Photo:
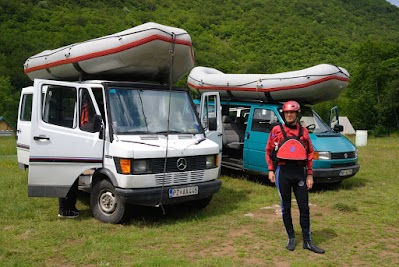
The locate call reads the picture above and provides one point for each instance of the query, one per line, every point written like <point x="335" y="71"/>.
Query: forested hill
<point x="234" y="36"/>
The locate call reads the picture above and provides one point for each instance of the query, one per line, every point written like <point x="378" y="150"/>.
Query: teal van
<point x="245" y="131"/>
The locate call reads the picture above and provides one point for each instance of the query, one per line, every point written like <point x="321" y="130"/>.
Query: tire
<point x="105" y="204"/>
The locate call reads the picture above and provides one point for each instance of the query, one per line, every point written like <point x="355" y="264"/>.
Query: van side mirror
<point x="97" y="124"/>
<point x="334" y="118"/>
<point x="338" y="128"/>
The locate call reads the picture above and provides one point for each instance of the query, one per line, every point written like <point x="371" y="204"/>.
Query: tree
<point x="375" y="86"/>
<point x="8" y="102"/>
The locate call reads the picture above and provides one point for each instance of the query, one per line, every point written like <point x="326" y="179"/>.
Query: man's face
<point x="290" y="116"/>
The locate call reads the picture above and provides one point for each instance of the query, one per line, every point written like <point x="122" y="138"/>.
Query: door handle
<point x="41" y="137"/>
<point x="220" y="134"/>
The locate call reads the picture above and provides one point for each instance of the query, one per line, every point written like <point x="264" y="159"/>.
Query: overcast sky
<point x="394" y="2"/>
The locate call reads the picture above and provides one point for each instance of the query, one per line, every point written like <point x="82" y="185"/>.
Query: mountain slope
<point x="234" y="36"/>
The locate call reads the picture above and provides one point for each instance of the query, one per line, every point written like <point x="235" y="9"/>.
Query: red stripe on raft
<point x="271" y="89"/>
<point x="111" y="51"/>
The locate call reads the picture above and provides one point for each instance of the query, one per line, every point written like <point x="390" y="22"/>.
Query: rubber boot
<point x="291" y="244"/>
<point x="309" y="245"/>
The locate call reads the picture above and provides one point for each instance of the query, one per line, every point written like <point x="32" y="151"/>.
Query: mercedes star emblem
<point x="181" y="164"/>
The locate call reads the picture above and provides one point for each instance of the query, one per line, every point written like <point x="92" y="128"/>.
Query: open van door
<point x="260" y="122"/>
<point x="24" y="127"/>
<point x="211" y="118"/>
<point x="63" y="141"/>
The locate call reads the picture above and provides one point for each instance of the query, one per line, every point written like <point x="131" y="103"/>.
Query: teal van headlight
<point x="322" y="155"/>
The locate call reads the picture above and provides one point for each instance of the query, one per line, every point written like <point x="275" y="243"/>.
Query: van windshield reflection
<point x="311" y="120"/>
<point x="136" y="111"/>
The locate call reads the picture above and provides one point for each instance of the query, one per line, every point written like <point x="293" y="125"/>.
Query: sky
<point x="394" y="2"/>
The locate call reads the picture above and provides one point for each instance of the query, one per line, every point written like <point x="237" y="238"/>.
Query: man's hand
<point x="272" y="176"/>
<point x="309" y="181"/>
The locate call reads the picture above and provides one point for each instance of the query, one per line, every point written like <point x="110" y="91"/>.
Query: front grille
<point x="179" y="178"/>
<point x="342" y="165"/>
<point x="193" y="163"/>
<point x="349" y="155"/>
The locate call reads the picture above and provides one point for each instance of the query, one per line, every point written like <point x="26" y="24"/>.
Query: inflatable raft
<point x="312" y="85"/>
<point x="139" y="53"/>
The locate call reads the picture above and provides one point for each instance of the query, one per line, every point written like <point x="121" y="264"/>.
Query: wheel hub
<point x="107" y="202"/>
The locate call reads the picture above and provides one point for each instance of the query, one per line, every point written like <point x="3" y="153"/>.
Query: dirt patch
<point x="273" y="213"/>
<point x="245" y="243"/>
<point x="25" y="235"/>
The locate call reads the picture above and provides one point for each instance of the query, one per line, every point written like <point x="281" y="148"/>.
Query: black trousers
<point x="293" y="178"/>
<point x="69" y="202"/>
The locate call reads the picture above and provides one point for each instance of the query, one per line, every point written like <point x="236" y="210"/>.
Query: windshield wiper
<point x="141" y="143"/>
<point x="196" y="142"/>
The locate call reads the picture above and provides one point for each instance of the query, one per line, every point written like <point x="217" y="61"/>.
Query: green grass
<point x="357" y="223"/>
<point x="7" y="146"/>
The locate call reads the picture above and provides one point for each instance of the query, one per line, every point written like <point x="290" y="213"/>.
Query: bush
<point x="380" y="131"/>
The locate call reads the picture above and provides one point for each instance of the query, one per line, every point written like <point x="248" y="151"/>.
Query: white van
<point x="125" y="143"/>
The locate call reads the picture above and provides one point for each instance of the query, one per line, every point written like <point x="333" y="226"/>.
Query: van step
<point x="233" y="164"/>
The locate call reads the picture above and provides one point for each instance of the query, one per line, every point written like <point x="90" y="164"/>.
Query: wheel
<point x="105" y="204"/>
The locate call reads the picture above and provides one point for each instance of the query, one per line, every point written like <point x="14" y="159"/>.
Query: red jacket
<point x="276" y="136"/>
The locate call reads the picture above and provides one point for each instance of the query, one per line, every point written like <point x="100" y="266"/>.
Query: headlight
<point x="356" y="153"/>
<point x="141" y="166"/>
<point x="322" y="155"/>
<point x="211" y="161"/>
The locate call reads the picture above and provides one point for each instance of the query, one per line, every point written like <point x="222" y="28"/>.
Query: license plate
<point x="184" y="191"/>
<point x="345" y="172"/>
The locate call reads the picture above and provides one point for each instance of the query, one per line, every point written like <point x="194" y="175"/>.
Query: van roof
<point x="107" y="83"/>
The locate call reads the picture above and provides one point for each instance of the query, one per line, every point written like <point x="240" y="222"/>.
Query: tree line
<point x="234" y="36"/>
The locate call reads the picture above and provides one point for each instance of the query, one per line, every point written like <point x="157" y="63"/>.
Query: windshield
<point x="135" y="111"/>
<point x="311" y="120"/>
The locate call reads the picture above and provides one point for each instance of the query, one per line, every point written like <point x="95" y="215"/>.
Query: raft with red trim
<point x="312" y="85"/>
<point x="139" y="53"/>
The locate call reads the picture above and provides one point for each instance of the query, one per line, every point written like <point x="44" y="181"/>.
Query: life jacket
<point x="291" y="148"/>
<point x="84" y="116"/>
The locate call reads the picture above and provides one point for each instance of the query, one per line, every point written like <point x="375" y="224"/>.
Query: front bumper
<point x="152" y="196"/>
<point x="334" y="175"/>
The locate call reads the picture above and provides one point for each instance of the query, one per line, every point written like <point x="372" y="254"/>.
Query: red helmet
<point x="291" y="106"/>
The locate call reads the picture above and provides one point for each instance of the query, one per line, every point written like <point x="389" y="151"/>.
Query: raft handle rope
<point x="172" y="57"/>
<point x="270" y="79"/>
<point x="69" y="47"/>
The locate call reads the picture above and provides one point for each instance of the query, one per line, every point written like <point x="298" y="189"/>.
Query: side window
<point x="60" y="106"/>
<point x="263" y="120"/>
<point x="86" y="111"/>
<point x="209" y="119"/>
<point x="26" y="108"/>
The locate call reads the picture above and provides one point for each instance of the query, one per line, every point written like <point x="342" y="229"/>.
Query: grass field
<point x="357" y="224"/>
